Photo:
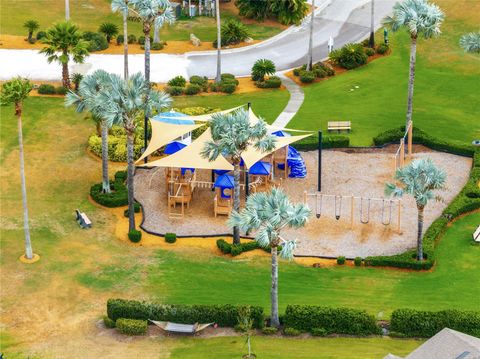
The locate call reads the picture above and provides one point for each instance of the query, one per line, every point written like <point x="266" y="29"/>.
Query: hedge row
<point x="466" y="201"/>
<point x="237" y="249"/>
<point x="224" y="315"/>
<point x="118" y="197"/>
<point x="131" y="326"/>
<point x="332" y="320"/>
<point x="416" y="323"/>
<point x="311" y="143"/>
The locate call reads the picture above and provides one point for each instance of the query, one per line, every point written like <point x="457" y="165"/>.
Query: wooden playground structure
<point x="401" y="154"/>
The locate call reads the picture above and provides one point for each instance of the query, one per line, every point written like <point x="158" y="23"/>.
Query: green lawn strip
<point x="286" y="348"/>
<point x="379" y="291"/>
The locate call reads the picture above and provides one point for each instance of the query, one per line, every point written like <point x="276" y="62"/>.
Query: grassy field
<point x="90" y="14"/>
<point x="59" y="299"/>
<point x="446" y="87"/>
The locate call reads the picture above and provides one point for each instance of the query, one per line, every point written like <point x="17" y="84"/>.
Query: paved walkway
<point x="293" y="105"/>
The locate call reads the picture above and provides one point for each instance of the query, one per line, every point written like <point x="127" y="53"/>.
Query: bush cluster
<point x="46" y="89"/>
<point x="232" y="32"/>
<point x="291" y="332"/>
<point x="269" y="330"/>
<point x="341" y="260"/>
<point x="177" y="81"/>
<point x="287" y="12"/>
<point x="225" y="315"/>
<point x="307" y="77"/>
<point x="201" y="81"/>
<point x="416" y="323"/>
<point x="350" y="56"/>
<point x="135" y="236"/>
<point x="269" y="83"/>
<point x="332" y="320"/>
<point x="117" y="143"/>
<point x="109" y="323"/>
<point x="311" y="143"/>
<point x="369" y="51"/>
<point x="319" y="332"/>
<point x="136" y="209"/>
<point x="118" y="197"/>
<point x="60" y="90"/>
<point x="358" y="261"/>
<point x="236" y="249"/>
<point x="227" y="84"/>
<point x="96" y="41"/>
<point x="41" y="35"/>
<point x="132" y="326"/>
<point x="193" y="89"/>
<point x="170" y="237"/>
<point x="382" y="49"/>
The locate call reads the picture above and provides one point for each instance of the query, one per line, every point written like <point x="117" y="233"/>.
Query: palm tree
<point x="310" y="39"/>
<point x="14" y="92"/>
<point x="152" y="12"/>
<point x="471" y="42"/>
<point x="85" y="99"/>
<point x="67" y="10"/>
<point x="31" y="26"/>
<point x="122" y="101"/>
<point x="232" y="134"/>
<point x="109" y="30"/>
<point x="371" y="40"/>
<point x="419" y="17"/>
<point x="218" y="77"/>
<point x="122" y="5"/>
<point x="262" y="68"/>
<point x="419" y="179"/>
<point x="267" y="214"/>
<point x="64" y="41"/>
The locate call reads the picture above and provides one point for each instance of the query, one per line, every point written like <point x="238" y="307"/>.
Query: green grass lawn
<point x="90" y="14"/>
<point x="446" y="102"/>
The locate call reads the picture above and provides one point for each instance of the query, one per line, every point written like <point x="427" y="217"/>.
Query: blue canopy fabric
<point x="281" y="133"/>
<point x="224" y="181"/>
<point x="173" y="147"/>
<point x="184" y="170"/>
<point x="173" y="117"/>
<point x="260" y="169"/>
<point x="220" y="172"/>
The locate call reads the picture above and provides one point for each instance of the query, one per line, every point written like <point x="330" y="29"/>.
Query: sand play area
<point x="345" y="173"/>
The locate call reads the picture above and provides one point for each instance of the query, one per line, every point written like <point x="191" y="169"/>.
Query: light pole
<point x="371" y="42"/>
<point x="218" y="78"/>
<point x="310" y="42"/>
<point x="67" y="10"/>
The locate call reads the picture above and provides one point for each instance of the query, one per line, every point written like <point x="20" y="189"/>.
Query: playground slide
<point x="296" y="164"/>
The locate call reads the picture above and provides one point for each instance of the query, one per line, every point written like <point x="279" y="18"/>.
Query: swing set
<point x="364" y="208"/>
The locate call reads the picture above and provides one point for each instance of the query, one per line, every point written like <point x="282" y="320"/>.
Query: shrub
<point x="193" y="89"/>
<point x="135" y="236"/>
<point x="287" y="12"/>
<point x="272" y="82"/>
<point x="369" y="51"/>
<point x="46" y="89"/>
<point x="109" y="323"/>
<point x="141" y="40"/>
<point x="307" y="76"/>
<point x="120" y="39"/>
<point x="233" y="32"/>
<point x="311" y="143"/>
<point x="32" y="40"/>
<point x="225" y="315"/>
<point x="416" y="323"/>
<point x="269" y="330"/>
<point x="118" y="196"/>
<point x="228" y="87"/>
<point x="174" y="90"/>
<point x="291" y="332"/>
<point x="227" y="76"/>
<point x="41" y="35"/>
<point x="382" y="49"/>
<point x="132" y="326"/>
<point x="262" y="68"/>
<point x="357" y="261"/>
<point x="177" y="81"/>
<point x="320" y="73"/>
<point x="349" y="56"/>
<point x="325" y="67"/>
<point x="96" y="41"/>
<point x="319" y="332"/>
<point x="341" y="260"/>
<point x="76" y="79"/>
<point x="60" y="90"/>
<point x="136" y="209"/>
<point x="170" y="237"/>
<point x="131" y="39"/>
<point x="156" y="46"/>
<point x="200" y="81"/>
<point x="236" y="249"/>
<point x="333" y="320"/>
<point x="109" y="30"/>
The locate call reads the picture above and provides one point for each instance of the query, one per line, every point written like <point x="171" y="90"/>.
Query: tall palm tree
<point x="218" y="77"/>
<point x="122" y="101"/>
<point x="371" y="41"/>
<point x="310" y="39"/>
<point x="419" y="179"/>
<point x="123" y="7"/>
<point x="67" y="10"/>
<point x="267" y="214"/>
<point x="232" y="134"/>
<point x="152" y="12"/>
<point x="15" y="92"/>
<point x="85" y="99"/>
<point x="64" y="41"/>
<point x="419" y="18"/>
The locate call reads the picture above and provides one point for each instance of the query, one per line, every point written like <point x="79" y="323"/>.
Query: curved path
<point x="293" y="105"/>
<point x="344" y="20"/>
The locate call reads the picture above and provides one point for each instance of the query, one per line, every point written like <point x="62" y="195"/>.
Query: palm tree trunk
<point x="236" y="198"/>
<point x="371" y="41"/>
<point x="130" y="184"/>
<point x="310" y="41"/>
<point x="105" y="179"/>
<point x="146" y="31"/>
<point x="274" y="320"/>
<point x="125" y="45"/>
<point x="218" y="78"/>
<point x="28" y="242"/>
<point x="30" y="34"/>
<point x="419" y="233"/>
<point x="156" y="34"/>
<point x="67" y="10"/>
<point x="65" y="76"/>
<point x="411" y="79"/>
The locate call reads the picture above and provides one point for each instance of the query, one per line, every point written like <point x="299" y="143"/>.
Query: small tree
<point x="262" y="68"/>
<point x="471" y="42"/>
<point x="64" y="41"/>
<point x="15" y="92"/>
<point x="419" y="179"/>
<point x="109" y="30"/>
<point x="267" y="214"/>
<point x="245" y="324"/>
<point x="234" y="32"/>
<point x="232" y="134"/>
<point x="31" y="26"/>
<point x="76" y="79"/>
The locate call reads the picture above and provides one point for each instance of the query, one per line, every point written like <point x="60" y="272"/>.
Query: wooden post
<point x="410" y="139"/>
<point x="402" y="152"/>
<point x="352" y="206"/>
<point x="399" y="230"/>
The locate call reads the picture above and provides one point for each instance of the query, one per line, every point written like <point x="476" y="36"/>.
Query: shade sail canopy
<point x="173" y="147"/>
<point x="163" y="133"/>
<point x="208" y="116"/>
<point x="252" y="155"/>
<point x="260" y="168"/>
<point x="224" y="181"/>
<point x="174" y="118"/>
<point x="190" y="157"/>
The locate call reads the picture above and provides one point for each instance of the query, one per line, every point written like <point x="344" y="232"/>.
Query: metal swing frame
<point x="362" y="220"/>
<point x="384" y="222"/>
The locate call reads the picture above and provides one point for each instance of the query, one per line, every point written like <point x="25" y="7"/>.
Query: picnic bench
<point x="82" y="219"/>
<point x="339" y="126"/>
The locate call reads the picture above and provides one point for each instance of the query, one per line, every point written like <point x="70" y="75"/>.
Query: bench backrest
<point x="339" y="123"/>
